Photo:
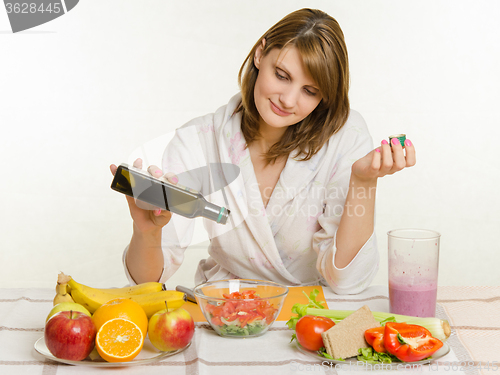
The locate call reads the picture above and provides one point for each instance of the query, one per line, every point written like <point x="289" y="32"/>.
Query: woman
<point x="302" y="208"/>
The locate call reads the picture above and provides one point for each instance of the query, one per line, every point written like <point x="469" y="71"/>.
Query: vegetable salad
<point x="242" y="314"/>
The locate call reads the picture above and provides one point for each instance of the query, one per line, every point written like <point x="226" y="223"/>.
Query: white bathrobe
<point x="292" y="240"/>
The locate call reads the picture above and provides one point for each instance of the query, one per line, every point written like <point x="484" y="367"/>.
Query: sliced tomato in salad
<point x="243" y="306"/>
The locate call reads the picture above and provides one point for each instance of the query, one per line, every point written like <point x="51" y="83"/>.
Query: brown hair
<point x="320" y="42"/>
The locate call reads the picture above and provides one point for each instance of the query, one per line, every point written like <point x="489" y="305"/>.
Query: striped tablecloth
<point x="473" y="313"/>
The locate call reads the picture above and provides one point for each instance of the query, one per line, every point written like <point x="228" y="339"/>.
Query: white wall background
<point x="89" y="88"/>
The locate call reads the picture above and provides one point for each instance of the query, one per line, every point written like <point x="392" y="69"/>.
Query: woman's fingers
<point x="391" y="158"/>
<point x="155" y="171"/>
<point x="171" y="177"/>
<point x="387" y="160"/>
<point x="137" y="163"/>
<point x="161" y="217"/>
<point x="376" y="160"/>
<point x="399" y="161"/>
<point x="411" y="159"/>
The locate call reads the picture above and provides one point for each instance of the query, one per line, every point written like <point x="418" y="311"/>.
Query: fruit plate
<point x="147" y="355"/>
<point x="354" y="364"/>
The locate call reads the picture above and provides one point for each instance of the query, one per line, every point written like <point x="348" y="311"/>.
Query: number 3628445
<point x="27" y="8"/>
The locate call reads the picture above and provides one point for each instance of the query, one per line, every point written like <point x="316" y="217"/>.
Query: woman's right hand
<point x="146" y="217"/>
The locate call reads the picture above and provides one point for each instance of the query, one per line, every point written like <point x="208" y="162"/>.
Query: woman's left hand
<point x="384" y="160"/>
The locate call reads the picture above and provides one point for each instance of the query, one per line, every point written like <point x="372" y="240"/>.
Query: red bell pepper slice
<point x="375" y="338"/>
<point x="409" y="342"/>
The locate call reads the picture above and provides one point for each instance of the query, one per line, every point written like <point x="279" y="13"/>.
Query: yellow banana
<point x="153" y="302"/>
<point x="92" y="298"/>
<point x="144" y="288"/>
<point x="149" y="295"/>
<point x="62" y="293"/>
<point x="125" y="292"/>
<point x="60" y="298"/>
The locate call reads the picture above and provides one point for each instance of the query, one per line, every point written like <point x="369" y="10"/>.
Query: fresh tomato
<point x="309" y="329"/>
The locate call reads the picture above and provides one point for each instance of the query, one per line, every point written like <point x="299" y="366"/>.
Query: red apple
<point x="70" y="335"/>
<point x="171" y="329"/>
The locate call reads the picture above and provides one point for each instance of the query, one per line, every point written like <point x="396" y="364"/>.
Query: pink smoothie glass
<point x="413" y="271"/>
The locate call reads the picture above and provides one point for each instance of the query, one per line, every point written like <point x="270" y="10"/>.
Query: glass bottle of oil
<point x="174" y="198"/>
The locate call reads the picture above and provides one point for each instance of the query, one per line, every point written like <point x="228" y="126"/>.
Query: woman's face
<point x="284" y="92"/>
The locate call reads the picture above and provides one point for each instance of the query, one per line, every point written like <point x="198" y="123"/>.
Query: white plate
<point x="147" y="355"/>
<point x="353" y="362"/>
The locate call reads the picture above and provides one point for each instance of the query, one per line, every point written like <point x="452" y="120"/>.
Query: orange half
<point x="119" y="340"/>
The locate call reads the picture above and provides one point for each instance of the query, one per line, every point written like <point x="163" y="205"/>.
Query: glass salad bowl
<point x="240" y="307"/>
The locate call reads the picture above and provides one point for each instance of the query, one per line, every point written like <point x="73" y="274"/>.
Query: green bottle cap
<point x="400" y="137"/>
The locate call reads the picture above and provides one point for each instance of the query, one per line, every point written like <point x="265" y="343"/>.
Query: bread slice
<point x="345" y="338"/>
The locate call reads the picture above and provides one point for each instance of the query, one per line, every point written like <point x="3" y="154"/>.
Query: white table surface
<point x="473" y="313"/>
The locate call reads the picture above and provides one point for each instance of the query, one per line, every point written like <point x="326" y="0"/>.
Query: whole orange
<point x="121" y="308"/>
